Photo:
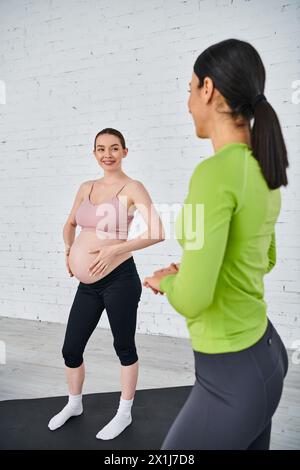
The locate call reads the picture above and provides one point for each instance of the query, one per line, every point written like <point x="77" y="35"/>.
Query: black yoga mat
<point x="24" y="423"/>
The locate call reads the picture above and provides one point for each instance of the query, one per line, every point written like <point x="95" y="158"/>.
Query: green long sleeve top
<point x="226" y="230"/>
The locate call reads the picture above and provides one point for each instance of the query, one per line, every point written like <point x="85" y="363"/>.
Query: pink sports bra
<point x="110" y="216"/>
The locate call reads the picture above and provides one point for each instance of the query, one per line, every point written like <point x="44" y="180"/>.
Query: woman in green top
<point x="226" y="230"/>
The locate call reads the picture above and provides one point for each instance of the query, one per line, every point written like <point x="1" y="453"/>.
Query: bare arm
<point x="155" y="231"/>
<point x="70" y="225"/>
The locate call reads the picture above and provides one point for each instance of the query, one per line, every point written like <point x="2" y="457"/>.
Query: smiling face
<point x="109" y="152"/>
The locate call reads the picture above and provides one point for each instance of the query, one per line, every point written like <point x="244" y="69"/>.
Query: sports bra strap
<point x="91" y="188"/>
<point x="121" y="189"/>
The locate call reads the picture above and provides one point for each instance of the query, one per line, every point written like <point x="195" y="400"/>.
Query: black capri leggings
<point x="233" y="399"/>
<point x="119" y="293"/>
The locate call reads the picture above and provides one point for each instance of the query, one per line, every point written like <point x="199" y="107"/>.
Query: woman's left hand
<point x="106" y="255"/>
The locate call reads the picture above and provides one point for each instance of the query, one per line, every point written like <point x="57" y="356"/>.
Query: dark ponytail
<point x="238" y="73"/>
<point x="268" y="145"/>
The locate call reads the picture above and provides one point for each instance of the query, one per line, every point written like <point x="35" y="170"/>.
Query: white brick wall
<point x="71" y="68"/>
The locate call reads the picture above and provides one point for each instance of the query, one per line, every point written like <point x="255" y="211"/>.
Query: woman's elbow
<point x="195" y="305"/>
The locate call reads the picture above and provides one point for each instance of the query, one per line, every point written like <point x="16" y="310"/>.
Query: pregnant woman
<point x="101" y="259"/>
<point x="240" y="359"/>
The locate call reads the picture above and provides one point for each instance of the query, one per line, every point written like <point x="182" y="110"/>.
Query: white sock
<point x="72" y="408"/>
<point x="121" y="420"/>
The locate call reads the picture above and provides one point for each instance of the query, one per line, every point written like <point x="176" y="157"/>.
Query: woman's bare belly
<point x="80" y="258"/>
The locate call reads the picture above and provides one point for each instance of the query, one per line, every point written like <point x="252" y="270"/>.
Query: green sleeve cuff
<point x="166" y="282"/>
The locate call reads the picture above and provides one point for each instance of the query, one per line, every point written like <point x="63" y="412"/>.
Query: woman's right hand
<point x="171" y="269"/>
<point x="67" y="252"/>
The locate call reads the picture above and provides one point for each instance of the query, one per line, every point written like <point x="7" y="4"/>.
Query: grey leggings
<point x="233" y="399"/>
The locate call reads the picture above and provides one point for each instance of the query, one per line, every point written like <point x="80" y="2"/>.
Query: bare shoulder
<point x="88" y="183"/>
<point x="135" y="191"/>
<point x="136" y="185"/>
<point x="86" y="186"/>
<point x="138" y="193"/>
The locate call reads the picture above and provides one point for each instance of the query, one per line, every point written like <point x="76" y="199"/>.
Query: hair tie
<point x="257" y="99"/>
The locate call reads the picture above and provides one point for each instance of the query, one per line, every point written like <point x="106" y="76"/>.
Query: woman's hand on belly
<point x="105" y="255"/>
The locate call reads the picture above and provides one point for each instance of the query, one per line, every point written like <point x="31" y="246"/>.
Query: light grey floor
<point x="34" y="368"/>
